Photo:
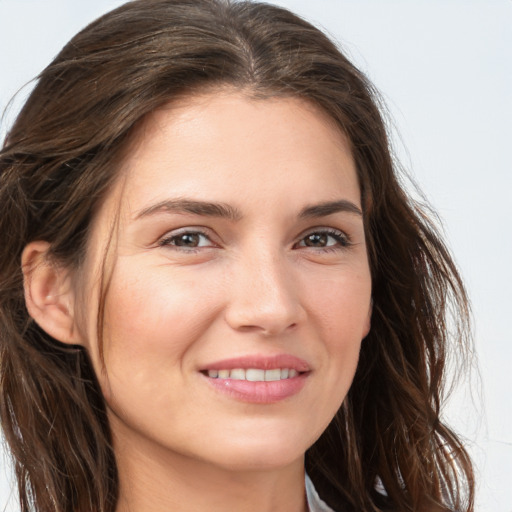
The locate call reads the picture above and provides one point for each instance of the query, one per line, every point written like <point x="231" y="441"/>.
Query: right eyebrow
<point x="183" y="205"/>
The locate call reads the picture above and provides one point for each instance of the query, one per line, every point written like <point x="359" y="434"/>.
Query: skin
<point x="257" y="284"/>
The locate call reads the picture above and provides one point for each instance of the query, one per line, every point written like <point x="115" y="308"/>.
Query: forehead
<point x="227" y="142"/>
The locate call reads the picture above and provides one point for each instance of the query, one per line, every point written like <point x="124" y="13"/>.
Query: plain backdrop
<point x="444" y="68"/>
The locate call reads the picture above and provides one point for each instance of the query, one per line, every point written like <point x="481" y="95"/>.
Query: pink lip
<point x="259" y="392"/>
<point x="262" y="362"/>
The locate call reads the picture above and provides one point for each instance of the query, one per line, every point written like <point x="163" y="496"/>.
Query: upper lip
<point x="261" y="362"/>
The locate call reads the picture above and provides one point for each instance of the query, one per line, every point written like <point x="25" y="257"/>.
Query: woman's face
<point x="240" y="288"/>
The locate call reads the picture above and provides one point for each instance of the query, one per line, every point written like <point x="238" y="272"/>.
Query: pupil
<point x="188" y="240"/>
<point x="316" y="239"/>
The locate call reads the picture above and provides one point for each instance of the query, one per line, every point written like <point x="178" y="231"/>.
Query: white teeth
<point x="273" y="374"/>
<point x="237" y="374"/>
<point x="254" y="374"/>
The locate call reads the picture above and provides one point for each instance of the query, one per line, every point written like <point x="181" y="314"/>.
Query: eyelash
<point x="342" y="240"/>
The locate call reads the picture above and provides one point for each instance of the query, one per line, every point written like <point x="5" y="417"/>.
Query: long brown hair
<point x="59" y="160"/>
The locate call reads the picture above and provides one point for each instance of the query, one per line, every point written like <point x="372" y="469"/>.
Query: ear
<point x="48" y="293"/>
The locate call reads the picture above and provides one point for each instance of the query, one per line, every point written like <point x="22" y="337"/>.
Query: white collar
<point x="315" y="503"/>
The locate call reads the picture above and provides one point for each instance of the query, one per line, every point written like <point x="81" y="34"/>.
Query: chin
<point x="243" y="462"/>
<point x="261" y="453"/>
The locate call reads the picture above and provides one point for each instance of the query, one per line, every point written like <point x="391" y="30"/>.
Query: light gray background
<point x="444" y="68"/>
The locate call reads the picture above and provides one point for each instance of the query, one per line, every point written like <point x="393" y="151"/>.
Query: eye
<point x="187" y="240"/>
<point x="325" y="239"/>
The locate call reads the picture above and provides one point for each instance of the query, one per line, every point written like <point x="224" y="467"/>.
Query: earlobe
<point x="48" y="293"/>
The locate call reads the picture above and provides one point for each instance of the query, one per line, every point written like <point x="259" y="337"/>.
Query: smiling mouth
<point x="254" y="374"/>
<point x="258" y="378"/>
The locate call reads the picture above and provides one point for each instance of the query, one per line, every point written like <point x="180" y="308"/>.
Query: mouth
<point x="253" y="374"/>
<point x="258" y="379"/>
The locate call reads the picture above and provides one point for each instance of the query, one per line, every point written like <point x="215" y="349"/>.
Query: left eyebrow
<point x="328" y="208"/>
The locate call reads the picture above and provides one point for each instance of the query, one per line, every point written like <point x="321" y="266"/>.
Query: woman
<point x="223" y="286"/>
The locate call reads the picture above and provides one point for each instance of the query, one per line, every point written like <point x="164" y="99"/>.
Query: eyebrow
<point x="226" y="211"/>
<point x="329" y="208"/>
<point x="204" y="208"/>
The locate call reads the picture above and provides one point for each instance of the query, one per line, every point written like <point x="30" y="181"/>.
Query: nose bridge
<point x="264" y="295"/>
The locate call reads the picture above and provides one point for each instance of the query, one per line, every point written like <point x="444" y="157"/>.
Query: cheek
<point x="339" y="306"/>
<point x="340" y="303"/>
<point x="152" y="322"/>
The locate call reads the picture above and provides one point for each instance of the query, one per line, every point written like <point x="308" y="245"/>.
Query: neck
<point x="152" y="480"/>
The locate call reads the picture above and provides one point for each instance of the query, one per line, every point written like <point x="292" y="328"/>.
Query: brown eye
<point x="316" y="240"/>
<point x="325" y="239"/>
<point x="187" y="240"/>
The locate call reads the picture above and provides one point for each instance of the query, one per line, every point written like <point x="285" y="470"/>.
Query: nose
<point x="264" y="296"/>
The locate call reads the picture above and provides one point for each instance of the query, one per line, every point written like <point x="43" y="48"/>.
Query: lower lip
<point x="259" y="392"/>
